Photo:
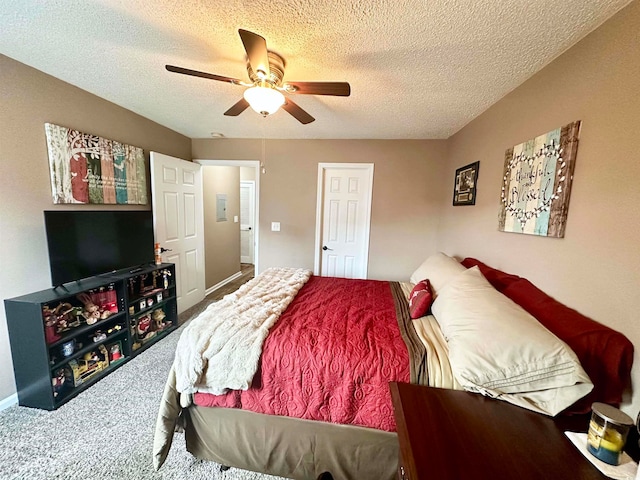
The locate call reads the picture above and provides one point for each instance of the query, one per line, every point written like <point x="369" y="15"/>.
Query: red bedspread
<point x="329" y="357"/>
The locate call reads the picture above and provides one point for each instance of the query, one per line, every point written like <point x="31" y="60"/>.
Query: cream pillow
<point x="439" y="268"/>
<point x="498" y="349"/>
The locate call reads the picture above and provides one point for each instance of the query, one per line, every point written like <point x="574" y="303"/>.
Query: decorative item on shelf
<point x="143" y="327"/>
<point x="143" y="305"/>
<point x="89" y="365"/>
<point x="116" y="328"/>
<point x="98" y="296"/>
<point x="92" y="312"/>
<point x="58" y="380"/>
<point x="50" y="323"/>
<point x="68" y="348"/>
<point x="74" y="317"/>
<point x="132" y="286"/>
<point x="158" y="257"/>
<point x="62" y="325"/>
<point x="158" y="317"/>
<point x="136" y="345"/>
<point x="53" y="357"/>
<point x="149" y="301"/>
<point x="155" y="275"/>
<point x="98" y="336"/>
<point x="115" y="352"/>
<point x="111" y="299"/>
<point x="166" y="273"/>
<point x="608" y="430"/>
<point x="159" y="296"/>
<point x="143" y="287"/>
<point x="59" y="319"/>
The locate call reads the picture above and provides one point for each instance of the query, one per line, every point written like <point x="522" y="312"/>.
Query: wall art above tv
<point x="89" y="169"/>
<point x="536" y="184"/>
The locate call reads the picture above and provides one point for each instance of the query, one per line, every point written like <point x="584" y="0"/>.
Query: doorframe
<point x="322" y="167"/>
<point x="244" y="163"/>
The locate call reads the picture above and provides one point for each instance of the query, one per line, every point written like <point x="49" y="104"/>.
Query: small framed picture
<point x="464" y="187"/>
<point x="149" y="301"/>
<point x="143" y="304"/>
<point x="159" y="297"/>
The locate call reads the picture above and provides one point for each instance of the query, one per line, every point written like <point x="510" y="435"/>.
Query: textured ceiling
<point x="417" y="68"/>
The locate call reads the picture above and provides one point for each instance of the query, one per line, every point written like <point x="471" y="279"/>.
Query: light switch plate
<point x="235" y="219"/>
<point x="275" y="226"/>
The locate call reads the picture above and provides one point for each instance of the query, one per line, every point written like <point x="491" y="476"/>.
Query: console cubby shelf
<point x="65" y="339"/>
<point x="108" y="340"/>
<point x="88" y="329"/>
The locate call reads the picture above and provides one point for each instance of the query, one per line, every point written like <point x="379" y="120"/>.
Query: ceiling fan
<point x="266" y="70"/>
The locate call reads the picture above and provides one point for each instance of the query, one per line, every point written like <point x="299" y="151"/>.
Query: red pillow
<point x="420" y="299"/>
<point x="499" y="280"/>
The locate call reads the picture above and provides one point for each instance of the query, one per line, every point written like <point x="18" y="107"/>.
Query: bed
<point x="308" y="389"/>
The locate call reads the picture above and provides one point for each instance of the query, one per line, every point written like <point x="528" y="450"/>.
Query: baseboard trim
<point x="10" y="401"/>
<point x="223" y="283"/>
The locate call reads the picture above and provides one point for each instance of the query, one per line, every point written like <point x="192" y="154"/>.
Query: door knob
<point x="325" y="248"/>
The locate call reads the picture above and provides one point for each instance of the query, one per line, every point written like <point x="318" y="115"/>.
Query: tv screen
<point x="87" y="243"/>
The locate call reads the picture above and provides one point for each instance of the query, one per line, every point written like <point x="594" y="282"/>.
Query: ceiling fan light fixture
<point x="264" y="100"/>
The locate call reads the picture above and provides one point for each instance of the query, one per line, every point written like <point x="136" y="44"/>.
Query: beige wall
<point x="30" y="99"/>
<point x="406" y="196"/>
<point x="595" y="268"/>
<point x="222" y="239"/>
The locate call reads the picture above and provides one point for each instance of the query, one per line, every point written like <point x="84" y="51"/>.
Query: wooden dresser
<point x="448" y="434"/>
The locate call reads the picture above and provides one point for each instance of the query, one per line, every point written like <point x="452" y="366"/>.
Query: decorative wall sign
<point x="537" y="183"/>
<point x="87" y="168"/>
<point x="464" y="188"/>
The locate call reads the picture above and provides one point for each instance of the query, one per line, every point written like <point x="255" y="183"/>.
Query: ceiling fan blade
<point x="239" y="107"/>
<point x="256" y="48"/>
<point x="339" y="89"/>
<point x="297" y="112"/>
<point x="210" y="76"/>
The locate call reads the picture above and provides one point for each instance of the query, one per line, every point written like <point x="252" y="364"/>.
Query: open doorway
<point x="245" y="251"/>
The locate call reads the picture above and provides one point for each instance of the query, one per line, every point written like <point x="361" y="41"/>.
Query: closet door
<point x="343" y="219"/>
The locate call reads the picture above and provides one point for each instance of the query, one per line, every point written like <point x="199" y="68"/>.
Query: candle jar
<point x="68" y="348"/>
<point x="608" y="430"/>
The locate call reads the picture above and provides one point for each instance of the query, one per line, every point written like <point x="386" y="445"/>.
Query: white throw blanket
<point x="220" y="349"/>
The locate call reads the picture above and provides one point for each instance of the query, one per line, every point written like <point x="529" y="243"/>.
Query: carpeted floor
<point x="106" y="432"/>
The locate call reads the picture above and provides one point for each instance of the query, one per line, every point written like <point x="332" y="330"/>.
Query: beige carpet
<point x="106" y="432"/>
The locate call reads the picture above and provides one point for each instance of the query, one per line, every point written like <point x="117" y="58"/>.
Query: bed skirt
<point x="290" y="447"/>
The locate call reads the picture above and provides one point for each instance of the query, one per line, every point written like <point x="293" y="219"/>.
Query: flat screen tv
<point x="87" y="243"/>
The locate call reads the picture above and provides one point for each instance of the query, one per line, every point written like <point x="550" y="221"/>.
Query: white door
<point x="343" y="219"/>
<point x="247" y="220"/>
<point x="176" y="193"/>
